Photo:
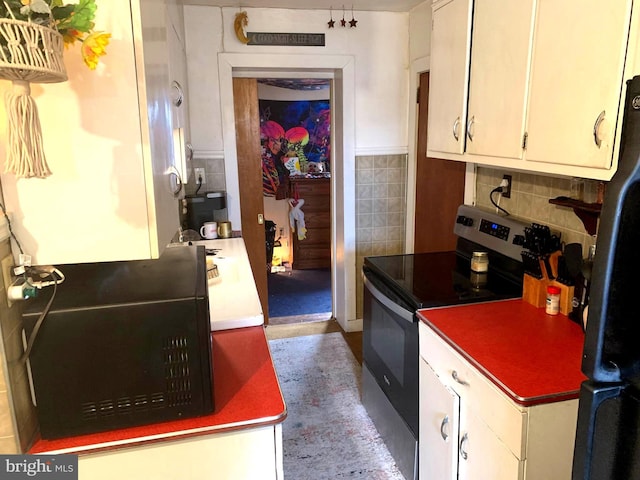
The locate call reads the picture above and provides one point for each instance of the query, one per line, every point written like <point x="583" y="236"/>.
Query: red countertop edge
<point x="247" y="395"/>
<point x="537" y="358"/>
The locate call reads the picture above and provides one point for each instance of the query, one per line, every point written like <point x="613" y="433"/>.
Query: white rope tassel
<point x="25" y="152"/>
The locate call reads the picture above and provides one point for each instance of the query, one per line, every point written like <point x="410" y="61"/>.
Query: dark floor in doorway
<point x="299" y="292"/>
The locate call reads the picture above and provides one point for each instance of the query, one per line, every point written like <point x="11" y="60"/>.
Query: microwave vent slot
<point x="89" y="411"/>
<point x="178" y="373"/>
<point x="106" y="408"/>
<point x="157" y="400"/>
<point x="124" y="405"/>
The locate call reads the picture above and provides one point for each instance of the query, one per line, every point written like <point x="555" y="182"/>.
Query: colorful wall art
<point x="295" y="139"/>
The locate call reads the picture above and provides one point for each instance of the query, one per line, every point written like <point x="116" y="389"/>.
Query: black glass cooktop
<point x="438" y="279"/>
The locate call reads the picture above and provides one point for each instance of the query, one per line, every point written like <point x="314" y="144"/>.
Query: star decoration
<point x="343" y="22"/>
<point x="331" y="22"/>
<point x="353" y="21"/>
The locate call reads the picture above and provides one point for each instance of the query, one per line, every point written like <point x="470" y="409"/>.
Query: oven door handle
<point x="387" y="302"/>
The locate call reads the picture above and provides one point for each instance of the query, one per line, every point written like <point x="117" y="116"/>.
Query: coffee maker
<point x="203" y="207"/>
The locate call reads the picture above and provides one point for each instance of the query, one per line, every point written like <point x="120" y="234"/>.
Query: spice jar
<point x="480" y="262"/>
<point x="553" y="300"/>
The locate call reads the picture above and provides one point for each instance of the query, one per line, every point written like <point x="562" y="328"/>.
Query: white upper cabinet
<point x="498" y="78"/>
<point x="108" y="139"/>
<point x="576" y="81"/>
<point x="448" y="82"/>
<point x="545" y="83"/>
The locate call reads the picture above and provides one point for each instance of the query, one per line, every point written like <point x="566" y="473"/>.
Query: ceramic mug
<point x="209" y="230"/>
<point x="224" y="230"/>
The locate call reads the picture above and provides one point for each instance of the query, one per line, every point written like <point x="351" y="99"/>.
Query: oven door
<point x="390" y="347"/>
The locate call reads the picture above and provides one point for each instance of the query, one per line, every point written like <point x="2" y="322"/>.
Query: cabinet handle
<point x="596" y="127"/>
<point x="456" y="126"/>
<point x="189" y="148"/>
<point x="457" y="378"/>
<point x="173" y="171"/>
<point x="444" y="423"/>
<point x="463" y="452"/>
<point x="469" y="127"/>
<point x="178" y="93"/>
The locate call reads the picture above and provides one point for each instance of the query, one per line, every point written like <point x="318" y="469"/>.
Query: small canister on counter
<point x="553" y="300"/>
<point x="480" y="262"/>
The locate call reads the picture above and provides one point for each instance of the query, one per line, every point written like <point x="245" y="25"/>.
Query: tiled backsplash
<point x="381" y="210"/>
<point x="529" y="200"/>
<point x="214" y="175"/>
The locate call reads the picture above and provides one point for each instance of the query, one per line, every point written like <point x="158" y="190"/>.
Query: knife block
<point x="534" y="290"/>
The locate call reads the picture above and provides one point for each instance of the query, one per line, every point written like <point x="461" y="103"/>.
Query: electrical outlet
<point x="199" y="173"/>
<point x="7" y="276"/>
<point x="506" y="191"/>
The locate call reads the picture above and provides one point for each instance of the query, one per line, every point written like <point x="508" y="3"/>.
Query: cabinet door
<point x="482" y="456"/>
<point x="448" y="88"/>
<point x="439" y="414"/>
<point x="576" y="81"/>
<point x="499" y="73"/>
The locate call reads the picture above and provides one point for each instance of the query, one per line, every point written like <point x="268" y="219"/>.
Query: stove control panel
<point x="494" y="229"/>
<point x="488" y="229"/>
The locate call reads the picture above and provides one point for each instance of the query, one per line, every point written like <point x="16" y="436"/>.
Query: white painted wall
<point x="420" y="31"/>
<point x="379" y="45"/>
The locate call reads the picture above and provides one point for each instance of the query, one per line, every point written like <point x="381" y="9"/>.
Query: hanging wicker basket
<point x="29" y="53"/>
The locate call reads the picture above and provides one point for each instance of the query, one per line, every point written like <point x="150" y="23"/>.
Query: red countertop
<point x="533" y="357"/>
<point x="247" y="394"/>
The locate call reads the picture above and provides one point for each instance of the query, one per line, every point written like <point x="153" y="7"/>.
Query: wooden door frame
<point x="343" y="216"/>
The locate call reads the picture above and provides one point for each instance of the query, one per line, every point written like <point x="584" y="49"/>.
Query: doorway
<point x="283" y="136"/>
<point x="341" y="69"/>
<point x="295" y="137"/>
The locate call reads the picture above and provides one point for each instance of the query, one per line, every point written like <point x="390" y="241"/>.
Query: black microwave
<point x="123" y="344"/>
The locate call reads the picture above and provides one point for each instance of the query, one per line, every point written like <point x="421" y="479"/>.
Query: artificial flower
<point x="94" y="46"/>
<point x="74" y="21"/>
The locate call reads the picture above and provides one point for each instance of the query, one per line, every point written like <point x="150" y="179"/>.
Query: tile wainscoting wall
<point x="381" y="210"/>
<point x="529" y="200"/>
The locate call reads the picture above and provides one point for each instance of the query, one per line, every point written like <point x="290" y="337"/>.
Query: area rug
<point x="299" y="292"/>
<point x="327" y="433"/>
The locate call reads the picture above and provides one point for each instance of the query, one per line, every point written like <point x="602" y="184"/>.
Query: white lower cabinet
<point x="471" y="430"/>
<point x="439" y="427"/>
<point x="248" y="454"/>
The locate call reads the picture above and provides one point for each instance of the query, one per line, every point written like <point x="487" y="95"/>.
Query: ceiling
<point x="336" y="5"/>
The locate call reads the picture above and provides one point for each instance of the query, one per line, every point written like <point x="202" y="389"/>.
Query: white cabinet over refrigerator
<point x="107" y="133"/>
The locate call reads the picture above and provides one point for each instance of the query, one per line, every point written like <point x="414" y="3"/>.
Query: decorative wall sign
<point x="286" y="39"/>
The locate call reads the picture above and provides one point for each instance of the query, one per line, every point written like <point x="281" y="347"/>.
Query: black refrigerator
<point x="607" y="443"/>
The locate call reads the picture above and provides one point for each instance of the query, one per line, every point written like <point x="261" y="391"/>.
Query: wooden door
<point x="439" y="189"/>
<point x="247" y="120"/>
